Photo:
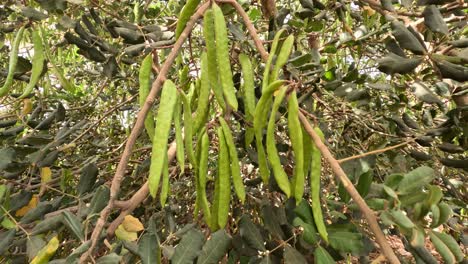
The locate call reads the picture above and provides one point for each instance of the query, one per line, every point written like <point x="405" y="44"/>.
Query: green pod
<point x="442" y="248"/>
<point x="259" y="122"/>
<point x="224" y="187"/>
<point x="188" y="130"/>
<point x="307" y="149"/>
<point x="315" y="173"/>
<point x="161" y="134"/>
<point x="249" y="96"/>
<point x="202" y="173"/>
<point x="435" y="215"/>
<point x="187" y="11"/>
<point x="282" y="57"/>
<point x="445" y="213"/>
<point x="274" y="46"/>
<point x="165" y="184"/>
<point x="13" y="60"/>
<point x="249" y="86"/>
<point x="451" y="244"/>
<point x="144" y="78"/>
<point x="280" y="175"/>
<point x="203" y="96"/>
<point x="295" y="134"/>
<point x="180" y="152"/>
<point x="234" y="161"/>
<point x="222" y="56"/>
<point x="37" y="63"/>
<point x="209" y="34"/>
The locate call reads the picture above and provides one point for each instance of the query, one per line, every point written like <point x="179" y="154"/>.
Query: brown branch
<point x="139" y="124"/>
<point x="367" y="212"/>
<point x="377" y="151"/>
<point x="250" y="27"/>
<point x="130" y="205"/>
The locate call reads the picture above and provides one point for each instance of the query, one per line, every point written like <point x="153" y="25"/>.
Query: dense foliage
<point x="229" y="165"/>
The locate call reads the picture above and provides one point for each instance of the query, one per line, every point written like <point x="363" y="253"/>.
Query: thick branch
<point x="367" y="212"/>
<point x="139" y="124"/>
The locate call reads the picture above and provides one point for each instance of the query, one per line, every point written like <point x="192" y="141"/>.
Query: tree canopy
<point x="226" y="131"/>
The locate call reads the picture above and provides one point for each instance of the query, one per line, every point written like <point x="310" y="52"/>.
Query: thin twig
<point x="106" y="114"/>
<point x="367" y="212"/>
<point x="377" y="151"/>
<point x="139" y="124"/>
<point x="250" y="27"/>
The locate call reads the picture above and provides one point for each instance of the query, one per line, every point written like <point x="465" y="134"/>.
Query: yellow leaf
<point x="46" y="174"/>
<point x="27" y="107"/>
<point x="125" y="235"/>
<point x="132" y="224"/>
<point x="32" y="204"/>
<point x="46" y="252"/>
<point x="369" y="10"/>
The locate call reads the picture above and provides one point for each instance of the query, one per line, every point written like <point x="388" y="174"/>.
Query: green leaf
<point x="215" y="248"/>
<point x="78" y="252"/>
<point x="73" y="223"/>
<point x="364" y="183"/>
<point x="87" y="179"/>
<point x="292" y="256"/>
<point x="321" y="256"/>
<point x="415" y="180"/>
<point x="149" y="250"/>
<point x="342" y="239"/>
<point x="422" y="92"/>
<point x="99" y="201"/>
<point x="393" y="63"/>
<point x="250" y="233"/>
<point x="188" y="248"/>
<point x="434" y="20"/>
<point x="405" y="38"/>
<point x="33" y="245"/>
<point x="37" y="213"/>
<point x="48" y="224"/>
<point x="270" y="221"/>
<point x="309" y="233"/>
<point x="304" y="211"/>
<point x="6" y="238"/>
<point x="112" y="258"/>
